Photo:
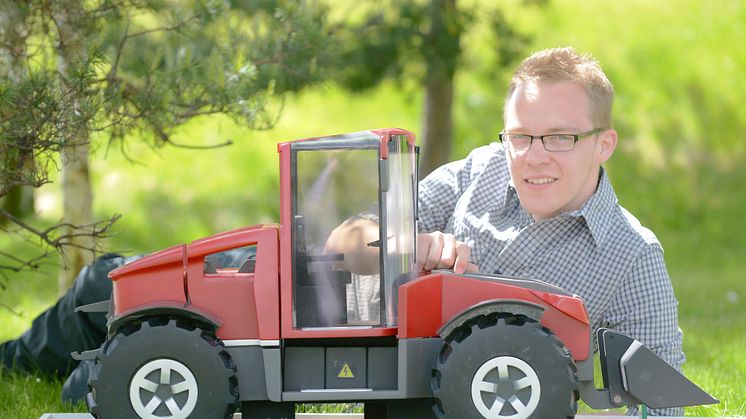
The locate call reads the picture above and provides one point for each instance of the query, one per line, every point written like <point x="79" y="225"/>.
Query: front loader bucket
<point x="633" y="372"/>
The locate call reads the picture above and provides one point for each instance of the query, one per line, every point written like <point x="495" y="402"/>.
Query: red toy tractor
<point x="192" y="334"/>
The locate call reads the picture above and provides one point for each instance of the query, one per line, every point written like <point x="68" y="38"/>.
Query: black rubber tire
<point x="141" y="353"/>
<point x="488" y="346"/>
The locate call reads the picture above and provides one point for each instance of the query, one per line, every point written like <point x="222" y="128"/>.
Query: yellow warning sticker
<point x="345" y="372"/>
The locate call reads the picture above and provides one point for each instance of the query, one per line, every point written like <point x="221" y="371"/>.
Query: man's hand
<point x="435" y="250"/>
<point x="438" y="250"/>
<point x="351" y="238"/>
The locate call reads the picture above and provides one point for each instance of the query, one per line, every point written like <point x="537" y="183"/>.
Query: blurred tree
<point x="16" y="198"/>
<point x="72" y="72"/>
<point x="421" y="40"/>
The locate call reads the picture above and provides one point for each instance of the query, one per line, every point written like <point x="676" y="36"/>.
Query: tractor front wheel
<point x="503" y="366"/>
<point x="163" y="368"/>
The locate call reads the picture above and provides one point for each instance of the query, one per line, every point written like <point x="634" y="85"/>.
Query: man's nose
<point x="536" y="154"/>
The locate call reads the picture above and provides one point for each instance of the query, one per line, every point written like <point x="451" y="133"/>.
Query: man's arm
<point x="646" y="309"/>
<point x="435" y="250"/>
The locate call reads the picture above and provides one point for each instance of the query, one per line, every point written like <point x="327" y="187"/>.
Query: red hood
<point x="170" y="255"/>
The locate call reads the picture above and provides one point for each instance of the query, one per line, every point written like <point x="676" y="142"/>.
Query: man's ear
<point x="606" y="145"/>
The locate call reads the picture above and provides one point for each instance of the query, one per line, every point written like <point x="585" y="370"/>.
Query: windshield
<point x="337" y="194"/>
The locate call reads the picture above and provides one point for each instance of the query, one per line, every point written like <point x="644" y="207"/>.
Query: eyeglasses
<point x="520" y="143"/>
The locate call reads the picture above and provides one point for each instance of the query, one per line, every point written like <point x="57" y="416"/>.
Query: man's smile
<point x="541" y="180"/>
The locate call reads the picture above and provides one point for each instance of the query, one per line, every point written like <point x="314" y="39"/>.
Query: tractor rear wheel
<point x="503" y="366"/>
<point x="163" y="368"/>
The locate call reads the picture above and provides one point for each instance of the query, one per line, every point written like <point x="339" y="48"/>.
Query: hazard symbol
<point x="345" y="372"/>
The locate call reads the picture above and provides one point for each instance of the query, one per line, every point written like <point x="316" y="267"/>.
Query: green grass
<point x="23" y="297"/>
<point x="713" y="318"/>
<point x="27" y="396"/>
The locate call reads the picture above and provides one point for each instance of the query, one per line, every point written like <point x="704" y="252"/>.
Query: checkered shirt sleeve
<point x="647" y="310"/>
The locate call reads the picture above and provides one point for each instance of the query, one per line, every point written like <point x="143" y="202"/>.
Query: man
<point x="540" y="205"/>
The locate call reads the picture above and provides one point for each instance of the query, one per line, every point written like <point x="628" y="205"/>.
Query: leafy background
<point x="678" y="71"/>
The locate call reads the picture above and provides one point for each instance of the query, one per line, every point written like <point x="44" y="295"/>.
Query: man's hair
<point x="566" y="64"/>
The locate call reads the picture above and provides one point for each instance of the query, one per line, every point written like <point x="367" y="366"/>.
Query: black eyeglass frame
<point x="576" y="138"/>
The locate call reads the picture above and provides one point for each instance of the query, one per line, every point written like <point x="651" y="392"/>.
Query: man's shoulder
<point x="631" y="230"/>
<point x="487" y="153"/>
<point x="484" y="159"/>
<point x="488" y="157"/>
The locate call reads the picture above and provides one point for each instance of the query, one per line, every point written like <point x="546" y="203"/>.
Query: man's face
<point x="549" y="183"/>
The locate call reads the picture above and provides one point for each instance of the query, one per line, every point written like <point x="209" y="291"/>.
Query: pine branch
<point x="50" y="238"/>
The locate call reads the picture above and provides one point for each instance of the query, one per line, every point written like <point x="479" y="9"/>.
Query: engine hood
<point x="171" y="255"/>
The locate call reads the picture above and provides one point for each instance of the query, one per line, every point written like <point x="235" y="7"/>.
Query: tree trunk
<point x="19" y="201"/>
<point x="76" y="185"/>
<point x="78" y="212"/>
<point x="441" y="52"/>
<point x="437" y="134"/>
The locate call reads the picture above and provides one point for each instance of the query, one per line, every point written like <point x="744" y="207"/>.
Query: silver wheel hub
<point x="163" y="388"/>
<point x="505" y="387"/>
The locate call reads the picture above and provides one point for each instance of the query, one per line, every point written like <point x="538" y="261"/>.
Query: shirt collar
<point x="509" y="194"/>
<point x="597" y="211"/>
<point x="512" y="201"/>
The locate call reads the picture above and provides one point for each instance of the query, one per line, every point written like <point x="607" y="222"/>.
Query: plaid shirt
<point x="599" y="252"/>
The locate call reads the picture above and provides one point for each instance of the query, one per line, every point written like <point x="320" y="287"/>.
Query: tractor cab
<point x="365" y="184"/>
